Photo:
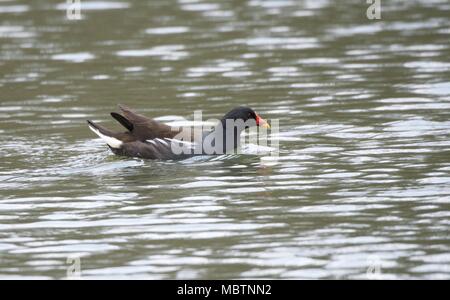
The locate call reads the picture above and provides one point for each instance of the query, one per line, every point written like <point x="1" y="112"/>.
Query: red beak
<point x="261" y="122"/>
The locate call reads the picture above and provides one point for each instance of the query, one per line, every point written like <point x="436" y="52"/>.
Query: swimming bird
<point x="148" y="138"/>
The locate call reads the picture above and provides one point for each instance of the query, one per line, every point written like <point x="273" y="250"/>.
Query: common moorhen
<point x="147" y="138"/>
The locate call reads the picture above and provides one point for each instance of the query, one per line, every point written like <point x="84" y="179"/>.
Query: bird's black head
<point x="245" y="114"/>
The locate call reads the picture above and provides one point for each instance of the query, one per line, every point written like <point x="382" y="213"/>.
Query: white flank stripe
<point x="113" y="142"/>
<point x="151" y="141"/>
<point x="181" y="142"/>
<point x="162" y="141"/>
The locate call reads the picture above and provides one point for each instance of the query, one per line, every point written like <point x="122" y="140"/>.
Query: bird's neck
<point x="231" y="135"/>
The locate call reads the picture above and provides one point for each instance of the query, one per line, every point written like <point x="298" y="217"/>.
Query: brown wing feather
<point x="146" y="128"/>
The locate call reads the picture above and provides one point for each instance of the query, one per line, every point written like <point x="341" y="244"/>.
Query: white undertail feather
<point x="111" y="141"/>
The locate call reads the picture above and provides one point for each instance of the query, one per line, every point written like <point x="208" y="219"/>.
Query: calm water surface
<point x="362" y="181"/>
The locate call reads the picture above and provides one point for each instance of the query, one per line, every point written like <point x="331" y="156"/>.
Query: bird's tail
<point x="106" y="135"/>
